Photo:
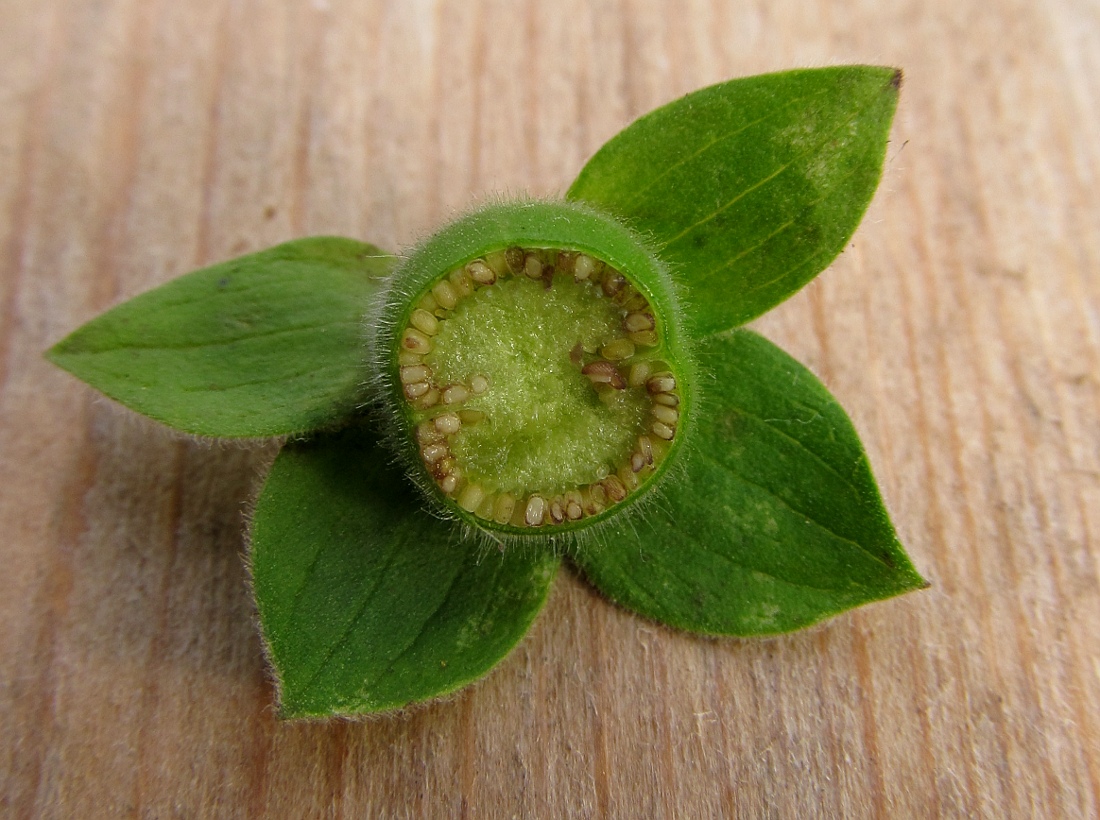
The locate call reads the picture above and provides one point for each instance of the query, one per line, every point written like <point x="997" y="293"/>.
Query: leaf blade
<point x="751" y="186"/>
<point x="366" y="602"/>
<point x="266" y="344"/>
<point x="778" y="523"/>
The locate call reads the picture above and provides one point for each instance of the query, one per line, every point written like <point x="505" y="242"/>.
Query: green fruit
<point x="532" y="364"/>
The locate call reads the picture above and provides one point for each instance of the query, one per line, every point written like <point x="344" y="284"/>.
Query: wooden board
<point x="961" y="329"/>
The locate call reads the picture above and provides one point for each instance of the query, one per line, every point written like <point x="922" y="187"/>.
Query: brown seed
<point x="662" y="430"/>
<point x="613" y="282"/>
<point x="445" y="295"/>
<point x="667" y="399"/>
<point x="557" y="510"/>
<point x="412" y="339"/>
<point x="574" y="505"/>
<point x="532" y="266"/>
<point x="514" y="258"/>
<point x="455" y="394"/>
<point x="602" y="372"/>
<point x="618" y="350"/>
<point x="661" y="412"/>
<point x="595" y="499"/>
<point x="415" y="373"/>
<point x="536" y="508"/>
<point x="481" y="273"/>
<point x="661" y="383"/>
<point x="471" y="497"/>
<point x="645" y="338"/>
<point x="479" y="384"/>
<point x="639" y="372"/>
<point x="504" y="507"/>
<point x="615" y="489"/>
<point x="424" y="321"/>
<point x="471" y="416"/>
<point x="448" y="424"/>
<point x="434" y="452"/>
<point x="637" y="462"/>
<point x="645" y="447"/>
<point x="416" y="390"/>
<point x="638" y="321"/>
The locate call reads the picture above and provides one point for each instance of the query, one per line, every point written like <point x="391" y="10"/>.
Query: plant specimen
<point x="541" y="381"/>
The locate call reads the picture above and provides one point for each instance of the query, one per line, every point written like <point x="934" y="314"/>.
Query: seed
<point x="595" y="499"/>
<point x="613" y="282"/>
<point x="536" y="507"/>
<point x="434" y="452"/>
<point x="645" y="447"/>
<point x="449" y="483"/>
<point x="485" y="509"/>
<point x="461" y="283"/>
<point x="455" y="394"/>
<point x="448" y="423"/>
<point x="615" y="489"/>
<point x="513" y="257"/>
<point x="637" y="462"/>
<point x="532" y="266"/>
<point x="444" y="467"/>
<point x="565" y="262"/>
<point x="427" y="303"/>
<point x="415" y="373"/>
<point x="661" y="383"/>
<point x="661" y="412"/>
<point x="667" y="399"/>
<point x="426" y="433"/>
<point x="416" y="390"/>
<point x="423" y="321"/>
<point x="471" y="416"/>
<point x="429" y="399"/>
<point x="416" y="341"/>
<point x="627" y="477"/>
<point x="618" y="350"/>
<point x="638" y="321"/>
<point x="639" y="373"/>
<point x="662" y="430"/>
<point x="470" y="498"/>
<point x="604" y="373"/>
<point x="645" y="338"/>
<point x="481" y="273"/>
<point x="574" y="505"/>
<point x="635" y="303"/>
<point x="479" y="384"/>
<point x="445" y="295"/>
<point x="557" y="510"/>
<point x="497" y="262"/>
<point x="504" y="507"/>
<point x="583" y="267"/>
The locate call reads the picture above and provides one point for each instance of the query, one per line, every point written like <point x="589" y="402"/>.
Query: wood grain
<point x="140" y="138"/>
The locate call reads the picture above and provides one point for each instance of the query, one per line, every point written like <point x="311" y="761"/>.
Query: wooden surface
<point x="141" y="138"/>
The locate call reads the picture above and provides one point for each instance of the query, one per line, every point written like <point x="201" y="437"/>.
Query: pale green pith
<point x="546" y="428"/>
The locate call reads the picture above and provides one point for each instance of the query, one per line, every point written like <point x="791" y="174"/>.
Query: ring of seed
<point x="624" y="363"/>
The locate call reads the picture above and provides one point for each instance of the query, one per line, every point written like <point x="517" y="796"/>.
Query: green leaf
<point x="752" y="186"/>
<point x="367" y="602"/>
<point x="777" y="523"/>
<point x="267" y="344"/>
